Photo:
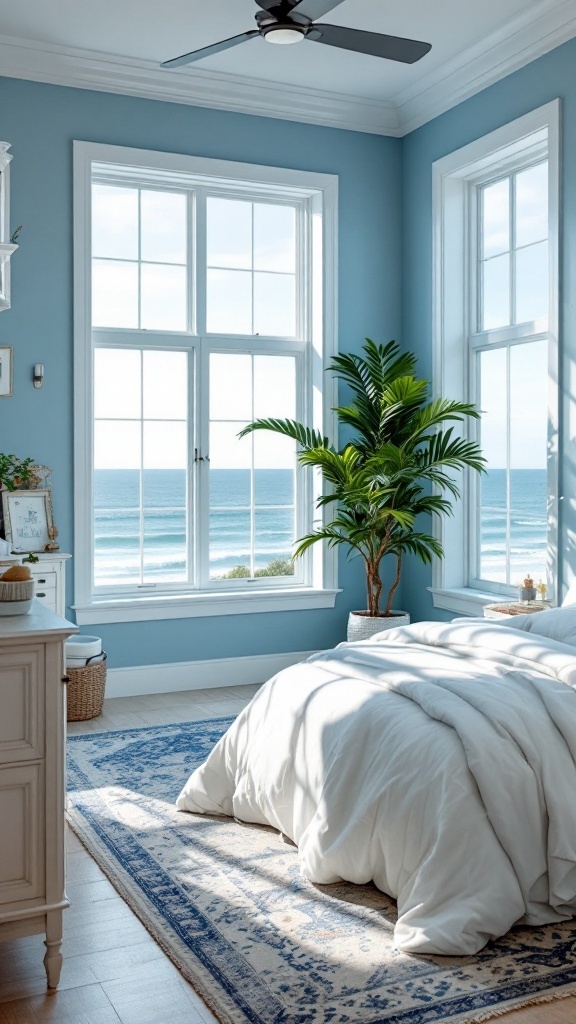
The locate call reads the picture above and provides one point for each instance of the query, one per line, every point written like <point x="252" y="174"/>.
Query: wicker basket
<point x="85" y="691"/>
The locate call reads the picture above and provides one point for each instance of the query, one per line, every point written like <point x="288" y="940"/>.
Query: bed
<point x="436" y="760"/>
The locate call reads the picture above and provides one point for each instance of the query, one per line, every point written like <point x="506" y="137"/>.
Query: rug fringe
<point x="547" y="997"/>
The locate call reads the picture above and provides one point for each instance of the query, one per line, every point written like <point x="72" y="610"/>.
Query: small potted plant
<point x="397" y="470"/>
<point x="14" y="472"/>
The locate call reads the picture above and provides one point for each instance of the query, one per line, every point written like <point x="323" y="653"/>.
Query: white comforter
<point x="437" y="761"/>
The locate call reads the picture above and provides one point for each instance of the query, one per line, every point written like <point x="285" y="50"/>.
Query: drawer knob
<point x="40" y="594"/>
<point x="65" y="679"/>
<point x="41" y="581"/>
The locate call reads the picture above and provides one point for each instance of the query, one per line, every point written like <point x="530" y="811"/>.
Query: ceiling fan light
<point x="283" y="36"/>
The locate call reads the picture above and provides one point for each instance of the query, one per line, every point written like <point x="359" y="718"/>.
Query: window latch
<point x="200" y="458"/>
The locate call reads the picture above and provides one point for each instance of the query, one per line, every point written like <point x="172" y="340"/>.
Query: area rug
<point x="259" y="943"/>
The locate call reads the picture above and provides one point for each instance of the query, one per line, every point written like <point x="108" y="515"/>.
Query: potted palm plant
<point x="397" y="469"/>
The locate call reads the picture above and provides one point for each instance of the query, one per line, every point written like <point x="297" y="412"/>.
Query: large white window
<point x="204" y="299"/>
<point x="495" y="344"/>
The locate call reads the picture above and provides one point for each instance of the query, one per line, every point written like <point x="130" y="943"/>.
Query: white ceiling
<point x="116" y="45"/>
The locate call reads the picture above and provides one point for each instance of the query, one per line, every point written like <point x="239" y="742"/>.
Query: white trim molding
<point x="139" y="680"/>
<point x="239" y="602"/>
<point x="516" y="43"/>
<point x="126" y="76"/>
<point x="454" y="179"/>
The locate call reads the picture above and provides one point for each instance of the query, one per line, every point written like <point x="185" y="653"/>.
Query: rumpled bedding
<point x="437" y="760"/>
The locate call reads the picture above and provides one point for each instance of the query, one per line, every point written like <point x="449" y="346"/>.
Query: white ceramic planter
<point x="360" y="626"/>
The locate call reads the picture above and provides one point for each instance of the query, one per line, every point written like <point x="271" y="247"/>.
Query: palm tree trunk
<point x="394" y="586"/>
<point x="374" y="588"/>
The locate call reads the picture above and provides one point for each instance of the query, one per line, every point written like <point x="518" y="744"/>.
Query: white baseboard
<point x="198" y="675"/>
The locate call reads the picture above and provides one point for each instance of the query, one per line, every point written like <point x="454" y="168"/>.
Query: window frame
<point x="315" y="343"/>
<point x="456" y="338"/>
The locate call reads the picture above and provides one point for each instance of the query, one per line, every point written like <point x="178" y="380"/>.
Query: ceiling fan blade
<point x="408" y="51"/>
<point x="315" y="9"/>
<point x="270" y="5"/>
<point x="207" y="51"/>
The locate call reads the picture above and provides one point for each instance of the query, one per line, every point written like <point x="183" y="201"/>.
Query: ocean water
<point x="528" y="518"/>
<point x="163" y="558"/>
<point x="118" y="558"/>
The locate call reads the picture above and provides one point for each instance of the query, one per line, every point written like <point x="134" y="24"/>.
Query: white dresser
<point x="49" y="575"/>
<point x="32" y="779"/>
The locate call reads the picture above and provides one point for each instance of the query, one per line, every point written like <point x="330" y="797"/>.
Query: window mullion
<point x="199" y="266"/>
<point x="201" y="469"/>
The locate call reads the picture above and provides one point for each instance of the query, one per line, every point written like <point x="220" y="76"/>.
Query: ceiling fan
<point x="291" y="21"/>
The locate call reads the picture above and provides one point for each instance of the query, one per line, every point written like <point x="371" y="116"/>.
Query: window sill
<point x="464" y="600"/>
<point x="187" y="606"/>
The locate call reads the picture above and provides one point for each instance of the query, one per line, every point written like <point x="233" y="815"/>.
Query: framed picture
<point x="6" y="372"/>
<point x="27" y="519"/>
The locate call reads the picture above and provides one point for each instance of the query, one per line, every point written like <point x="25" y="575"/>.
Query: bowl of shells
<point x="16" y="590"/>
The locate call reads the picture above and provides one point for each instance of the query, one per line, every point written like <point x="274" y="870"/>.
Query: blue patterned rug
<point x="259" y="943"/>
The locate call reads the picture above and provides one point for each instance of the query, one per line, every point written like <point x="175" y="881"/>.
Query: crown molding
<point x="86" y="69"/>
<point x="512" y="46"/>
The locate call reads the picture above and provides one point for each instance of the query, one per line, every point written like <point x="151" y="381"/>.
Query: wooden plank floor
<point x="114" y="972"/>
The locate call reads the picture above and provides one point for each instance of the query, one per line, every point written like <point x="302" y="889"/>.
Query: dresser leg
<point x="53" y="943"/>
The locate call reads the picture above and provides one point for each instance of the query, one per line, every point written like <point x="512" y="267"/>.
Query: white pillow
<point x="556" y="623"/>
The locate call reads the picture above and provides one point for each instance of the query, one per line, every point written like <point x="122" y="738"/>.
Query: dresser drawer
<point x="47" y="598"/>
<point x="44" y="580"/>
<point x="21" y="699"/>
<point x="22" y="853"/>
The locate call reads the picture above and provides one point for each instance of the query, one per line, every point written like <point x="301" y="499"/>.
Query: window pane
<point x="114" y="294"/>
<point x="274" y="238"/>
<point x="274" y="486"/>
<point x="230" y="543"/>
<point x="163" y="301"/>
<point x="229" y="233"/>
<point x="164" y="227"/>
<point x="496" y="218"/>
<point x="116" y="444"/>
<point x="532" y="205"/>
<point x="528" y="437"/>
<point x="116" y="526"/>
<point x="229" y="302"/>
<point x="230" y="488"/>
<point x="227" y="451"/>
<point x="164" y="551"/>
<point x="493" y="484"/>
<point x="230" y="387"/>
<point x="273" y="542"/>
<point x="115" y="222"/>
<point x="116" y="547"/>
<point x="164" y="488"/>
<point x="274" y="387"/>
<point x="275" y="304"/>
<point x="496" y="292"/>
<point x="165" y="445"/>
<point x="274" y="469"/>
<point x="165" y="385"/>
<point x="532" y="283"/>
<point x="117" y="383"/>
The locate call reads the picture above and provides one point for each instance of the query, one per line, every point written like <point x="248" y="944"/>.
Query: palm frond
<point x="304" y="436"/>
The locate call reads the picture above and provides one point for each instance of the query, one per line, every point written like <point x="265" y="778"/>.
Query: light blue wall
<point x="545" y="79"/>
<point x="40" y="121"/>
